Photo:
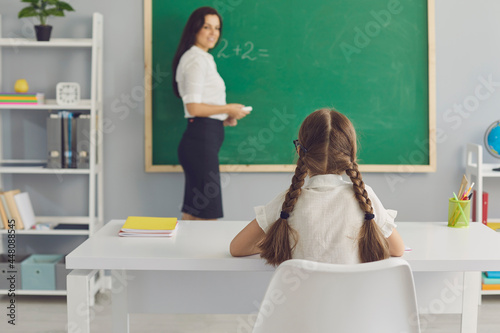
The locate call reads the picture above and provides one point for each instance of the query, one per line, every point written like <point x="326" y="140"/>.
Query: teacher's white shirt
<point x="199" y="82"/>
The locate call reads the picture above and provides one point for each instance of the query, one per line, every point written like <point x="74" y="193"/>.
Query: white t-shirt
<point x="327" y="218"/>
<point x="199" y="82"/>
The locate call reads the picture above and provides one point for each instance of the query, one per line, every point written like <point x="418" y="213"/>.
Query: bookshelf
<point x="477" y="171"/>
<point x="92" y="49"/>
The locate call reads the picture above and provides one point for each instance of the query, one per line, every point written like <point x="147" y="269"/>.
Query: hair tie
<point x="284" y="215"/>
<point x="369" y="216"/>
<point x="298" y="144"/>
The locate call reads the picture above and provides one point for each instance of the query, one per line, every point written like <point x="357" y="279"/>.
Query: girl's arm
<point x="245" y="242"/>
<point x="396" y="244"/>
<point x="233" y="110"/>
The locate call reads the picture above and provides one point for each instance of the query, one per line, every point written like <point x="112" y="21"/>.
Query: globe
<point x="492" y="139"/>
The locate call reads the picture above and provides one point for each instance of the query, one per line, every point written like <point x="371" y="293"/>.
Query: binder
<point x="72" y="140"/>
<point x="484" y="202"/>
<point x="54" y="142"/>
<point x="83" y="141"/>
<point x="68" y="140"/>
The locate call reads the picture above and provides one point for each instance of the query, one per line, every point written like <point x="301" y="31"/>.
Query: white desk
<point x="193" y="272"/>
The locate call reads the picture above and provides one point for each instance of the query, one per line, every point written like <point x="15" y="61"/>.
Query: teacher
<point x="203" y="94"/>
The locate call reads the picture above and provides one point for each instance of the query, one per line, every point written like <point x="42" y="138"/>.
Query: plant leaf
<point x="54" y="12"/>
<point x="31" y="1"/>
<point x="27" y="12"/>
<point x="65" y="6"/>
<point x="52" y="2"/>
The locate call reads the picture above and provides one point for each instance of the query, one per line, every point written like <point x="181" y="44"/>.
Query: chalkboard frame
<point x="397" y="168"/>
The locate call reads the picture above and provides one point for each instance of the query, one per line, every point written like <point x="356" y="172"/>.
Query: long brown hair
<point x="188" y="38"/>
<point x="330" y="140"/>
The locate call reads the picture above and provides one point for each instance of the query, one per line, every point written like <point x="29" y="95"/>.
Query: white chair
<point x="305" y="296"/>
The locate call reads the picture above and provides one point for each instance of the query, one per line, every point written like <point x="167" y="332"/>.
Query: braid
<point x="372" y="244"/>
<point x="276" y="246"/>
<point x="359" y="188"/>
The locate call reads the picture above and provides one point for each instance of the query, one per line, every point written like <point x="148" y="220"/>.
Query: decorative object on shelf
<point x="43" y="9"/>
<point x="21" y="86"/>
<point x="67" y="93"/>
<point x="492" y="139"/>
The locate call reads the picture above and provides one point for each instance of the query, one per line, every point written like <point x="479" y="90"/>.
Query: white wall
<point x="467" y="48"/>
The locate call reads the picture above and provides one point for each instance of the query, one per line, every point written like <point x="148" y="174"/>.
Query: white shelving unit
<point x="92" y="106"/>
<point x="477" y="171"/>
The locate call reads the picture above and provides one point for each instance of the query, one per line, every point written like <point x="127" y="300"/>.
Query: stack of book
<point x="149" y="226"/>
<point x="491" y="281"/>
<point x="21" y="99"/>
<point x="16" y="206"/>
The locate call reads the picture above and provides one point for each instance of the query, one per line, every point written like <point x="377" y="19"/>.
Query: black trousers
<point x="199" y="156"/>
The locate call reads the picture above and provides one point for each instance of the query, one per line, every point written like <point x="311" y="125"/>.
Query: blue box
<point x="39" y="272"/>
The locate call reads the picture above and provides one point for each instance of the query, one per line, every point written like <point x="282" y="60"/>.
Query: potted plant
<point x="43" y="9"/>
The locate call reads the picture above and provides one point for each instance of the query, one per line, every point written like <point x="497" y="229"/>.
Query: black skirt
<point x="199" y="156"/>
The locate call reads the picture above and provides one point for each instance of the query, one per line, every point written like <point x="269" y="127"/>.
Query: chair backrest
<point x="305" y="296"/>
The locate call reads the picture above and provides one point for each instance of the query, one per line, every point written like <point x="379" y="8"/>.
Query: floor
<point x="48" y="315"/>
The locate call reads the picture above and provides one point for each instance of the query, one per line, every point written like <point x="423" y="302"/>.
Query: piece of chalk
<point x="247" y="108"/>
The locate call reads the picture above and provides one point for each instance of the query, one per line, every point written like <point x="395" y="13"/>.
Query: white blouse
<point x="327" y="218"/>
<point x="199" y="82"/>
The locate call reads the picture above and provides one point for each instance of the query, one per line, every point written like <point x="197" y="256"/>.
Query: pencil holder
<point x="458" y="213"/>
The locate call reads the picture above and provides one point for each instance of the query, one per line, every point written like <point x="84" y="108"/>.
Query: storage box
<point x="5" y="268"/>
<point x="61" y="273"/>
<point x="39" y="272"/>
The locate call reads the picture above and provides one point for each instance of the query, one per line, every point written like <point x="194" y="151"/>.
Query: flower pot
<point x="43" y="32"/>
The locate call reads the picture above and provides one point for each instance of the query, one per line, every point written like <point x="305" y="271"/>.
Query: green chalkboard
<point x="373" y="60"/>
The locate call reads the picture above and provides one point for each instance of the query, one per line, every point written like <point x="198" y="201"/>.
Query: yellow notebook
<point x="149" y="226"/>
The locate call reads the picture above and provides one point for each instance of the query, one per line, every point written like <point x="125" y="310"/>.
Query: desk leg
<point x="120" y="301"/>
<point x="470" y="303"/>
<point x="78" y="300"/>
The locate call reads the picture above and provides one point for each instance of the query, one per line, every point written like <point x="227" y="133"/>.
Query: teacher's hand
<point x="235" y="111"/>
<point x="230" y="122"/>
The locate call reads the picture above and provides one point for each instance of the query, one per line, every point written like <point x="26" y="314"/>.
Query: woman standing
<point x="203" y="94"/>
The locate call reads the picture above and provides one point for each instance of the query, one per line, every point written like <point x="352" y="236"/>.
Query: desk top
<point x="204" y="245"/>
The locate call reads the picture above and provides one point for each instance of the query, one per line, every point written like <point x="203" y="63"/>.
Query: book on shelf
<point x="3" y="217"/>
<point x="22" y="98"/>
<point x="8" y="215"/>
<point x="489" y="280"/>
<point x="25" y="209"/>
<point x="16" y="205"/>
<point x="14" y="211"/>
<point x="143" y="226"/>
<point x="492" y="274"/>
<point x="490" y="286"/>
<point x="484" y="202"/>
<point x="71" y="226"/>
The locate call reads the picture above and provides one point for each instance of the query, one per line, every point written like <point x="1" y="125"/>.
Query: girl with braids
<point x="328" y="219"/>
